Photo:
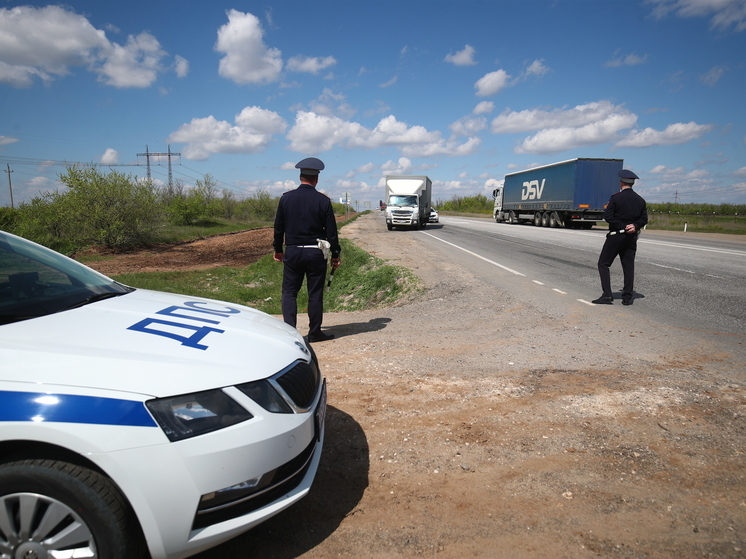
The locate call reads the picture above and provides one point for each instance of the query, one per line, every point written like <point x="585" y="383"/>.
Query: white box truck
<point x="408" y="200"/>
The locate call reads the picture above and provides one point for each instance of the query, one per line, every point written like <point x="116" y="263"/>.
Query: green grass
<point x="732" y="225"/>
<point x="362" y="282"/>
<point x="205" y="228"/>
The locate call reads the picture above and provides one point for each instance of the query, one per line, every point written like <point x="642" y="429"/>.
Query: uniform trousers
<point x="300" y="263"/>
<point x="623" y="245"/>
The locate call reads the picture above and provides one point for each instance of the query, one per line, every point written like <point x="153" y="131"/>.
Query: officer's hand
<point x="630" y="228"/>
<point x="277" y="257"/>
<point x="335" y="263"/>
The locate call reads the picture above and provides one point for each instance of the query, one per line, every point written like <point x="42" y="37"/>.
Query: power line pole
<point x="148" y="154"/>
<point x="10" y="185"/>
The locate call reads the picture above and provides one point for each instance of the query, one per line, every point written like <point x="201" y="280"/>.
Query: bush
<point x="113" y="210"/>
<point x="478" y="203"/>
<point x="8" y="218"/>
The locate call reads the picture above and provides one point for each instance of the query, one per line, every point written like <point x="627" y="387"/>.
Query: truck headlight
<point x="190" y="415"/>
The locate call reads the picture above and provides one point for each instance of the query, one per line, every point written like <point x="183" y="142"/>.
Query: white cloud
<point x="389" y="83"/>
<point x="468" y="126"/>
<point x="483" y="108"/>
<point x="463" y="57"/>
<point x="563" y="129"/>
<point x="110" y="157"/>
<point x="723" y="13"/>
<point x="45" y="42"/>
<point x="536" y="68"/>
<point x="310" y="65"/>
<point x="365" y="169"/>
<point x="492" y="83"/>
<point x="313" y="133"/>
<point x="247" y="59"/>
<point x="564" y="138"/>
<point x="537" y="119"/>
<point x="253" y="130"/>
<point x="678" y="133"/>
<point x="713" y="75"/>
<point x="740" y="172"/>
<point x="330" y="103"/>
<point x="7" y="140"/>
<point x="136" y="64"/>
<point x="628" y="60"/>
<point x="181" y="66"/>
<point x="401" y="167"/>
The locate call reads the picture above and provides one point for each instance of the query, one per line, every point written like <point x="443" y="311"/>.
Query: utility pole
<point x="148" y="154"/>
<point x="10" y="185"/>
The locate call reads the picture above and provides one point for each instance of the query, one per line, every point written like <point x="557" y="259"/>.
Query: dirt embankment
<point x="464" y="423"/>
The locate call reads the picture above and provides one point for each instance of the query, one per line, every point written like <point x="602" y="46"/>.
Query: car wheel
<point x="50" y="508"/>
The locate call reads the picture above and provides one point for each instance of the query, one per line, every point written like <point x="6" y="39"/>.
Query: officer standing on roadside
<point x="304" y="218"/>
<point x="627" y="214"/>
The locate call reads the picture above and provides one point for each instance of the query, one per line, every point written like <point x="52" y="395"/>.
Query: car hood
<point x="150" y="343"/>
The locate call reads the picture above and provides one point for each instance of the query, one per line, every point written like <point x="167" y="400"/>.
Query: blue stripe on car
<point x="72" y="408"/>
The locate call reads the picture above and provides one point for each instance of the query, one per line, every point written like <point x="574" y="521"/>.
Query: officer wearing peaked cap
<point x="626" y="214"/>
<point x="304" y="218"/>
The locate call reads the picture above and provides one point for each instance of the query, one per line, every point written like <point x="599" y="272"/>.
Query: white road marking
<point x="477" y="255"/>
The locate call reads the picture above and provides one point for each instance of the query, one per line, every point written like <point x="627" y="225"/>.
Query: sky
<point x="463" y="91"/>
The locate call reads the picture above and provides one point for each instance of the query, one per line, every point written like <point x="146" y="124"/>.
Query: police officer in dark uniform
<point x="627" y="214"/>
<point x="305" y="216"/>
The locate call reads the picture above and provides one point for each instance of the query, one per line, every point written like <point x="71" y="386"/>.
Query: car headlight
<point x="264" y="394"/>
<point x="190" y="415"/>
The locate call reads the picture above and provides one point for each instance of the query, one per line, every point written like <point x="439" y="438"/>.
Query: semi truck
<point x="408" y="199"/>
<point x="570" y="194"/>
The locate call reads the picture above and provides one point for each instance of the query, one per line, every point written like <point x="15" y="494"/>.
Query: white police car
<point x="134" y="422"/>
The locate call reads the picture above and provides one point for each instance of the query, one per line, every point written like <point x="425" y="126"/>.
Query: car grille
<point x="300" y="382"/>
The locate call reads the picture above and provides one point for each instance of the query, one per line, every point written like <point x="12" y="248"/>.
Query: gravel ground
<point x="465" y="423"/>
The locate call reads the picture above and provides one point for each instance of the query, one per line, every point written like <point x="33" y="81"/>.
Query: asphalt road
<point x="686" y="280"/>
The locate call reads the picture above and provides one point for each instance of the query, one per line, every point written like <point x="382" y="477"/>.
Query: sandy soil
<point x="465" y="423"/>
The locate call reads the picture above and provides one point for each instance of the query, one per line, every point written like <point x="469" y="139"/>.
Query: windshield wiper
<point x="94" y="298"/>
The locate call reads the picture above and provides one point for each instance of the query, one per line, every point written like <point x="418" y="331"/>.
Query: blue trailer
<point x="570" y="193"/>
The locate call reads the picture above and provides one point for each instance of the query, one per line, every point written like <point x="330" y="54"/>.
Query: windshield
<point x="36" y="281"/>
<point x="402" y="200"/>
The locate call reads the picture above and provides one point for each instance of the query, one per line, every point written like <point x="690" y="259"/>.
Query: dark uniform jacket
<point x="305" y="215"/>
<point x="625" y="207"/>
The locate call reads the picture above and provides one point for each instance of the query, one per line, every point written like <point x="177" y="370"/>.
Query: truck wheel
<point x="537" y="219"/>
<point x="49" y="507"/>
<point x="554" y="220"/>
<point x="512" y="219"/>
<point x="389" y="226"/>
<point x="545" y="219"/>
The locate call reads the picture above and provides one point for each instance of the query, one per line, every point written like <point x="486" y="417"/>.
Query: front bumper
<point x="166" y="498"/>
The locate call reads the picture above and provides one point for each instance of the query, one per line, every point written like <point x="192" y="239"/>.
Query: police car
<point x="136" y="423"/>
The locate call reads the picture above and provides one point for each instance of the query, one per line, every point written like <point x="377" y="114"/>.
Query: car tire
<point x="40" y="499"/>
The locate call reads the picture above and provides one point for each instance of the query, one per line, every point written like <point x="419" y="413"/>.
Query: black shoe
<point x="627" y="301"/>
<point x="604" y="300"/>
<point x="320" y="337"/>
